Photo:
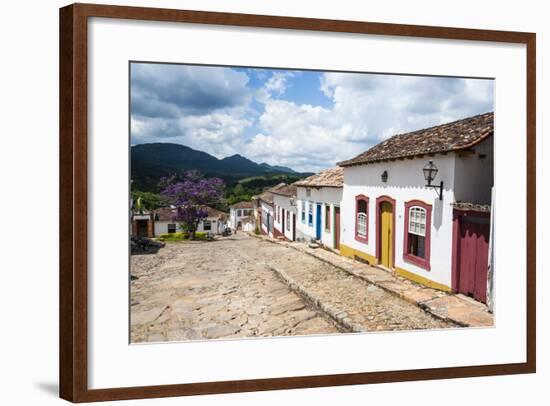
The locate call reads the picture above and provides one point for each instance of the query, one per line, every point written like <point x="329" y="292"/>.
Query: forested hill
<point x="151" y="162"/>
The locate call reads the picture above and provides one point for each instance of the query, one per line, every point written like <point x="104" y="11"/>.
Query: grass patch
<point x="199" y="236"/>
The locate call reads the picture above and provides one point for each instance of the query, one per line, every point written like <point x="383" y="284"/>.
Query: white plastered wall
<point x="405" y="182"/>
<point x="331" y="196"/>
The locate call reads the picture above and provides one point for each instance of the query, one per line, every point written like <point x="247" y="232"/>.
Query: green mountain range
<point x="151" y="162"/>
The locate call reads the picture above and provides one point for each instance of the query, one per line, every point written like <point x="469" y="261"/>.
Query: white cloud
<point x="304" y="137"/>
<point x="366" y="110"/>
<point x="163" y="90"/>
<point x="205" y="108"/>
<point x="218" y="133"/>
<point x="384" y="105"/>
<point x="278" y="82"/>
<point x="211" y="109"/>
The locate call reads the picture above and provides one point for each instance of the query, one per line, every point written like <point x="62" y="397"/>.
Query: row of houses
<point x="417" y="204"/>
<point x="154" y="223"/>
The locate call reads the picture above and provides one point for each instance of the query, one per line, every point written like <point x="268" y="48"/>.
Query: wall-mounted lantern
<point x="430" y="172"/>
<point x="384" y="176"/>
<point x="292" y="201"/>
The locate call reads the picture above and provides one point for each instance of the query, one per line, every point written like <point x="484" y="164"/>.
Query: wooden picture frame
<point x="73" y="279"/>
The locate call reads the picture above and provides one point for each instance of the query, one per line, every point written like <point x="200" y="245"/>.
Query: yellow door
<point x="386" y="230"/>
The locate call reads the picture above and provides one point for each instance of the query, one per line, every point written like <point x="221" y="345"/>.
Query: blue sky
<point x="307" y="120"/>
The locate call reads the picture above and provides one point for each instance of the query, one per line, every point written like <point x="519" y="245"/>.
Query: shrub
<point x="174" y="236"/>
<point x="201" y="236"/>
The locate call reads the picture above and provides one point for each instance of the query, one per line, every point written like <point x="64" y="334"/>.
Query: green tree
<point x="147" y="200"/>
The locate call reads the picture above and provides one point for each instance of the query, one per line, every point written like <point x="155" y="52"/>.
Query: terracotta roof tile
<point x="266" y="197"/>
<point x="284" y="190"/>
<point x="166" y="213"/>
<point x="467" y="206"/>
<point x="457" y="135"/>
<point x="333" y="177"/>
<point x="243" y="205"/>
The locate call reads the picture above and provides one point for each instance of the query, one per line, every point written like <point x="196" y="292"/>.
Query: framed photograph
<point x="255" y="202"/>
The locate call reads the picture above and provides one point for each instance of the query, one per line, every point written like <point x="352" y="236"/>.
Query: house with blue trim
<point x="318" y="200"/>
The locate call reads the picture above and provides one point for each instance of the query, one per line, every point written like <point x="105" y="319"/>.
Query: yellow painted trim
<point x="352" y="252"/>
<point x="422" y="280"/>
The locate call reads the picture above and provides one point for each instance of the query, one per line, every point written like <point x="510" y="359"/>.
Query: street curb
<point x="422" y="305"/>
<point x="338" y="316"/>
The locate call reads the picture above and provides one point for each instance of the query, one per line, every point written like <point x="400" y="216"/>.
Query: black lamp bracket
<point x="438" y="189"/>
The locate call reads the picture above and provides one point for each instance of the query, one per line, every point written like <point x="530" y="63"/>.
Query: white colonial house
<point x="264" y="213"/>
<point x="163" y="223"/>
<point x="419" y="204"/>
<point x="318" y="200"/>
<point x="284" y="206"/>
<point x="238" y="212"/>
<point x="248" y="223"/>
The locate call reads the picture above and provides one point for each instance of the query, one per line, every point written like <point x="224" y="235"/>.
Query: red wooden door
<point x="142" y="228"/>
<point x="337" y="228"/>
<point x="472" y="250"/>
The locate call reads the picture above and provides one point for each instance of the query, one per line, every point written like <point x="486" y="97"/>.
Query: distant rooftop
<point x="266" y="197"/>
<point x="283" y="189"/>
<point x="242" y="205"/>
<point x="166" y="213"/>
<point x="333" y="177"/>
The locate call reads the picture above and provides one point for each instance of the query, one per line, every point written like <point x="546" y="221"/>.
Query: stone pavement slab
<point x="352" y="302"/>
<point x="450" y="307"/>
<point x="213" y="290"/>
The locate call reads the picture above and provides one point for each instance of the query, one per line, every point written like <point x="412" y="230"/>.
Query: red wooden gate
<point x="470" y="253"/>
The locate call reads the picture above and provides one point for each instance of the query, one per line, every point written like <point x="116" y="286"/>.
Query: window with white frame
<point x="361" y="220"/>
<point x="417" y="231"/>
<point x="303" y="211"/>
<point x="310" y="214"/>
<point x="171" y="228"/>
<point x="207" y="225"/>
<point x="362" y="224"/>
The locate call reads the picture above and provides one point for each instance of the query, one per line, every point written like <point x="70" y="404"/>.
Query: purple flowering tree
<point x="190" y="193"/>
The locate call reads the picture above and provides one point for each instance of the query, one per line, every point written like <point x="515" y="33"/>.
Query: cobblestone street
<point x="238" y="286"/>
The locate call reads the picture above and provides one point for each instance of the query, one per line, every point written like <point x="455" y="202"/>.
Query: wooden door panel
<point x="482" y="260"/>
<point x="473" y="255"/>
<point x="337" y="227"/>
<point x="386" y="237"/>
<point x="318" y="222"/>
<point x="467" y="257"/>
